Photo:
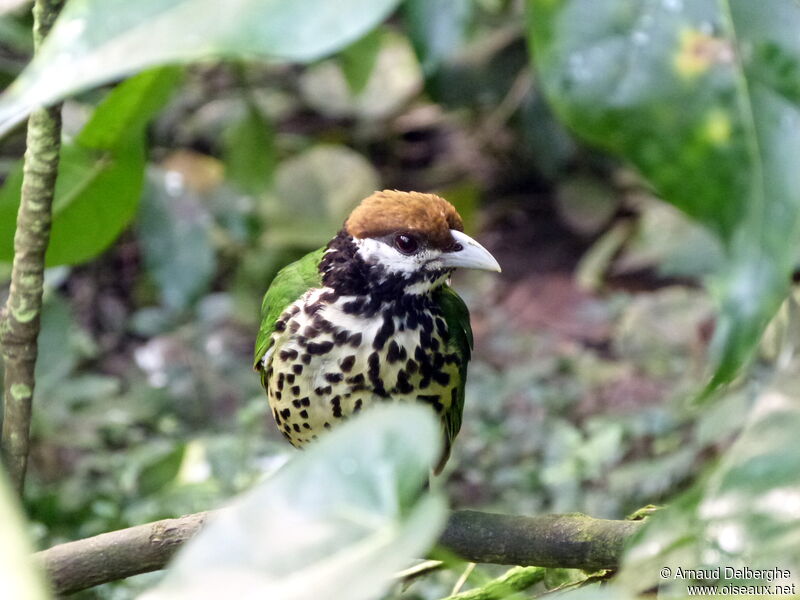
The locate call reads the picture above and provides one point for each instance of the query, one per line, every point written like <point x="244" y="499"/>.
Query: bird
<point x="371" y="317"/>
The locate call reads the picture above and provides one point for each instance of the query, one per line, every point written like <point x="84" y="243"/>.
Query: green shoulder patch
<point x="289" y="284"/>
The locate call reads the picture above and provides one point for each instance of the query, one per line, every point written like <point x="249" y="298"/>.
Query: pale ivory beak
<point x="471" y="256"/>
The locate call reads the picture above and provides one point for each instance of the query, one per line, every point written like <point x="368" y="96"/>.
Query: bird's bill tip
<point x="471" y="255"/>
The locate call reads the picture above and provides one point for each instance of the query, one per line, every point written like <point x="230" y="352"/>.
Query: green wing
<point x="289" y="284"/>
<point x="456" y="315"/>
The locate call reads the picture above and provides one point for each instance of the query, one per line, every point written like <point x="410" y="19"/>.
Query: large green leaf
<point x="703" y="97"/>
<point x="100" y="173"/>
<point x="175" y="237"/>
<point x="336" y="522"/>
<point x="18" y="577"/>
<point x="313" y="194"/>
<point x="95" y="41"/>
<point x="745" y="513"/>
<point x="438" y="29"/>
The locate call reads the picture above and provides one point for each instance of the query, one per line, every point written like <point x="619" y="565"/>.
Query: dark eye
<point x="405" y="243"/>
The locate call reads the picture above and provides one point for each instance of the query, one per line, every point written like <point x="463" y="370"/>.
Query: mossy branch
<point x="19" y="328"/>
<point x="569" y="541"/>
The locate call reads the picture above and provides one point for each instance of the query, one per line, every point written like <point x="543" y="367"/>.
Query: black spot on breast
<point x="426" y="322"/>
<point x="298" y="369"/>
<point x="434" y="344"/>
<point x="323" y="325"/>
<point x="305" y="401"/>
<point x="337" y="407"/>
<point x="452" y="359"/>
<point x="347" y="363"/>
<point x="323" y="391"/>
<point x="310" y="331"/>
<point x="353" y="307"/>
<point x="412" y="320"/>
<point x="294" y="310"/>
<point x="294" y="326"/>
<point x="411" y="366"/>
<point x="311" y="309"/>
<point x="329" y="297"/>
<point x="432" y="399"/>
<point x="287" y="355"/>
<point x="441" y="327"/>
<point x="403" y="385"/>
<point x="453" y="396"/>
<point x="281" y="377"/>
<point x="306" y="358"/>
<point x="357" y="406"/>
<point x="424" y="339"/>
<point x="333" y="377"/>
<point x="355" y="340"/>
<point x="296" y="403"/>
<point x="374" y="363"/>
<point x="290" y="377"/>
<point x="306" y="426"/>
<point x="296" y="428"/>
<point x="357" y="379"/>
<point x="280" y="325"/>
<point x="277" y="395"/>
<point x="319" y="348"/>
<point x="441" y="378"/>
<point x="304" y="413"/>
<point x="276" y="416"/>
<point x="296" y="390"/>
<point x="326" y="425"/>
<point x="385" y="332"/>
<point x="340" y="337"/>
<point x="393" y="353"/>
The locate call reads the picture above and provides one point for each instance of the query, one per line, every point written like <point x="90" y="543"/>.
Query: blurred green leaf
<point x="19" y="579"/>
<point x="703" y="98"/>
<point x="59" y="346"/>
<point x="175" y="235"/>
<point x="393" y="81"/>
<point x="313" y="194"/>
<point x="337" y="521"/>
<point x="465" y="196"/>
<point x="95" y="41"/>
<point x="438" y="29"/>
<point x="100" y="173"/>
<point x="745" y="513"/>
<point x="250" y="151"/>
<point x="358" y="60"/>
<point x="161" y="471"/>
<point x="586" y="203"/>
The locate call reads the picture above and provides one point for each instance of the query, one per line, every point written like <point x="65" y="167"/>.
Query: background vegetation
<point x="630" y="164"/>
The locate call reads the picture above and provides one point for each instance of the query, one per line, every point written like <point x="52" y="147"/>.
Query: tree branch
<point x="569" y="541"/>
<point x="20" y="326"/>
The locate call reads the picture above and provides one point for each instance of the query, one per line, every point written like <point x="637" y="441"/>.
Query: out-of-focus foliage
<point x="95" y="41"/>
<point x="337" y="521"/>
<point x="100" y="173"/>
<point x="587" y="348"/>
<point x="18" y="576"/>
<point x="744" y="514"/>
<point x="703" y="98"/>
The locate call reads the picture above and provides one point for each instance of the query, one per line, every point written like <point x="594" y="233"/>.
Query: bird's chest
<point x="330" y="360"/>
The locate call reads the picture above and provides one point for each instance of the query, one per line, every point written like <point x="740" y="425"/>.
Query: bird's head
<point x="416" y="237"/>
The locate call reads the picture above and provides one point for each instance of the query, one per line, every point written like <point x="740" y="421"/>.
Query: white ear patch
<point x="394" y="261"/>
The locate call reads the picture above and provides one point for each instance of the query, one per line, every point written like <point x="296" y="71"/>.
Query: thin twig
<point x="20" y="327"/>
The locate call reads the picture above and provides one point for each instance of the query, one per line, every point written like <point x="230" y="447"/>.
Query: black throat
<point x="345" y="271"/>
